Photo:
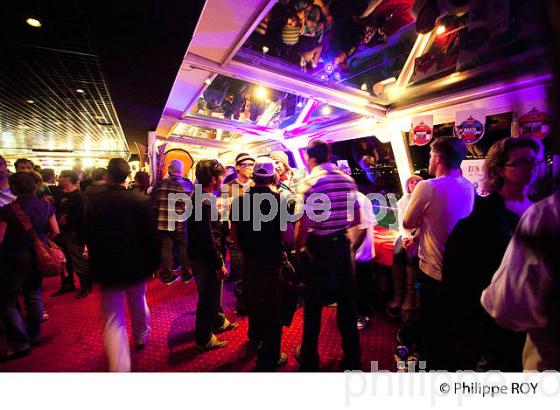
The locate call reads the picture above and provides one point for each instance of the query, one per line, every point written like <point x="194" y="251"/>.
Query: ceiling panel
<point x="54" y="99"/>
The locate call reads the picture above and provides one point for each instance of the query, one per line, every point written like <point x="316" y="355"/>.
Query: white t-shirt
<point x="366" y="252"/>
<point x="435" y="208"/>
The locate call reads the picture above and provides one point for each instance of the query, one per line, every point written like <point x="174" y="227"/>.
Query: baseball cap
<point x="243" y="157"/>
<point x="264" y="167"/>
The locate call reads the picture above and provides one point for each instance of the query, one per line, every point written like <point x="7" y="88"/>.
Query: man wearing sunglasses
<point x="244" y="166"/>
<point x="244" y="163"/>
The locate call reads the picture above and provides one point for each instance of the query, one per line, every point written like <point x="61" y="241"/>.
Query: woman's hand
<point x="222" y="273"/>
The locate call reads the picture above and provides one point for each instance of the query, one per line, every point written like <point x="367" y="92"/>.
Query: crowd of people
<point x="304" y="31"/>
<point x="450" y="243"/>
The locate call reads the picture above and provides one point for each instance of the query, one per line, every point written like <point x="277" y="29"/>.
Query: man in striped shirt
<point x="322" y="246"/>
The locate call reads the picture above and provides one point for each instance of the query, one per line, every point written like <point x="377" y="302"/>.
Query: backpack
<point x="51" y="260"/>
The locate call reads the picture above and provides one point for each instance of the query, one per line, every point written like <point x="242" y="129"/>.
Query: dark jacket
<point x="121" y="236"/>
<point x="262" y="256"/>
<point x="268" y="239"/>
<point x="205" y="235"/>
<point x="474" y="251"/>
<point x="472" y="254"/>
<point x="70" y="211"/>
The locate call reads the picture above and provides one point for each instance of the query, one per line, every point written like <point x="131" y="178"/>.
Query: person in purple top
<point x="18" y="269"/>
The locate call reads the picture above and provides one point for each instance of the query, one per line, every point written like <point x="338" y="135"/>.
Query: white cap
<point x="264" y="167"/>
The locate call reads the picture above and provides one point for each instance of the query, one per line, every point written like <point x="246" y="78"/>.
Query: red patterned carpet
<point x="73" y="338"/>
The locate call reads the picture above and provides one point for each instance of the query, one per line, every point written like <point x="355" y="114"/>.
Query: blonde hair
<point x="417" y="178"/>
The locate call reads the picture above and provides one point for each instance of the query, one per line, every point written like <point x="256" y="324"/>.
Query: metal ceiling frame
<point x="257" y="68"/>
<point x="252" y="24"/>
<point x="355" y="101"/>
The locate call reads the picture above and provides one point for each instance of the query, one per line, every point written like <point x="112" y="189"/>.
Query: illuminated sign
<point x="534" y="124"/>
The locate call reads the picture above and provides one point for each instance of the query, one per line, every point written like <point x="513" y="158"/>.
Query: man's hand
<point x="222" y="273"/>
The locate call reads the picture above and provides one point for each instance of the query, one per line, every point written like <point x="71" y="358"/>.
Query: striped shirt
<point x="171" y="185"/>
<point x="340" y="189"/>
<point x="290" y="35"/>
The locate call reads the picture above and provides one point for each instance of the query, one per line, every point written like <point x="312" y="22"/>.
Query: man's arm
<point x="363" y="220"/>
<point x="420" y="198"/>
<point x="301" y="232"/>
<point x="148" y="231"/>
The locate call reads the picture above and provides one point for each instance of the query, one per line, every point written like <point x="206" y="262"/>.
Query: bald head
<point x="175" y="168"/>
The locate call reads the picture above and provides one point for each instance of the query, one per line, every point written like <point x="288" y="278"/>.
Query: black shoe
<point x="282" y="361"/>
<point x="168" y="280"/>
<point x="13" y="355"/>
<point x="63" y="289"/>
<point x="83" y="293"/>
<point x="303" y="366"/>
<point x="252" y="347"/>
<point x="349" y="365"/>
<point x="36" y="342"/>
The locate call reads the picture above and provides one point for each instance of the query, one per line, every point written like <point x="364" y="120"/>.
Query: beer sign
<point x="534" y="124"/>
<point x="469" y="125"/>
<point x="421" y="130"/>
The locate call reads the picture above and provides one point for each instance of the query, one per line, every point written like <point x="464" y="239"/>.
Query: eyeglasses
<point x="525" y="163"/>
<point x="246" y="165"/>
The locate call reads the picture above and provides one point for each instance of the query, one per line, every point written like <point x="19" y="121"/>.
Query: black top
<point x="472" y="255"/>
<point x="476" y="247"/>
<point x="95" y="189"/>
<point x="251" y="239"/>
<point x="56" y="191"/>
<point x="70" y="210"/>
<point x="16" y="239"/>
<point x="120" y="233"/>
<point x="205" y="234"/>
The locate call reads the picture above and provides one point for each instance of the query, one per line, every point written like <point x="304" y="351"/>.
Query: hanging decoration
<point x="469" y="125"/>
<point x="534" y="124"/>
<point x="421" y="130"/>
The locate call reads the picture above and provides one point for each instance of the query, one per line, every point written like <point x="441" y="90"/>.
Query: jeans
<point x="430" y="323"/>
<point x="269" y="353"/>
<point x="262" y="281"/>
<point x="19" y="274"/>
<point x="18" y="334"/>
<point x="328" y="278"/>
<point x="209" y="312"/>
<point x="169" y="239"/>
<point x="76" y="262"/>
<point x="236" y="262"/>
<point x="366" y="294"/>
<point x="115" y="334"/>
